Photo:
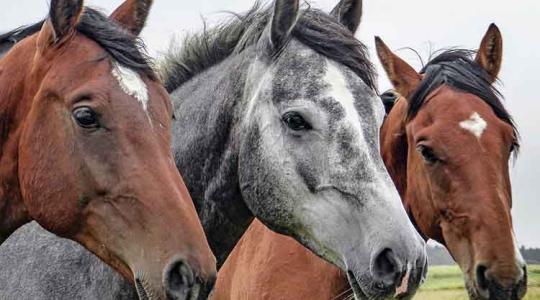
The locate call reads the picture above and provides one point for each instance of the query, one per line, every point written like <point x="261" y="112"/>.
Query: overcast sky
<point x="421" y="24"/>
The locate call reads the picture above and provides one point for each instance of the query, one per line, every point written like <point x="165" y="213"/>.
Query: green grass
<point x="446" y="282"/>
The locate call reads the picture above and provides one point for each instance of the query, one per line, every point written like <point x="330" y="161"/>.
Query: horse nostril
<point x="524" y="273"/>
<point x="521" y="287"/>
<point x="178" y="279"/>
<point x="481" y="277"/>
<point x="387" y="269"/>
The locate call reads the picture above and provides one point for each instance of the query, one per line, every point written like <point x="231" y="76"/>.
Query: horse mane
<point x="126" y="49"/>
<point x="8" y="39"/>
<point x="457" y="68"/>
<point x="314" y="28"/>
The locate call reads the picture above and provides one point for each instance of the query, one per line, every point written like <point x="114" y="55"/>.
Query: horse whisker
<point x="343" y="293"/>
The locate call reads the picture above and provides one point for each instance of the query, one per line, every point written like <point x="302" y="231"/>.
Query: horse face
<point x="454" y="160"/>
<point x="95" y="164"/>
<point x="459" y="151"/>
<point x="311" y="168"/>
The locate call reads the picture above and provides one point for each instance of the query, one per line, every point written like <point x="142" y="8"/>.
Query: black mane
<point x="314" y="28"/>
<point x="9" y="39"/>
<point x="122" y="46"/>
<point x="456" y="68"/>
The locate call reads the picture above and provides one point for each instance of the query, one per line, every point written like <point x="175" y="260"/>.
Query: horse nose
<point x="482" y="281"/>
<point x="179" y="280"/>
<point x="394" y="272"/>
<point x="488" y="285"/>
<point x="387" y="269"/>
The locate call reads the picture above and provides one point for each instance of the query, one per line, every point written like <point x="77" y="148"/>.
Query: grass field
<point x="446" y="282"/>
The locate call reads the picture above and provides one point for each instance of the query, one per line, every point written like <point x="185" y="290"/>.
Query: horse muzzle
<point x="390" y="275"/>
<point x="485" y="286"/>
<point x="179" y="282"/>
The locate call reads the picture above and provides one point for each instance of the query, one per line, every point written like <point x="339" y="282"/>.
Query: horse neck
<point x="15" y="100"/>
<point x="208" y="109"/>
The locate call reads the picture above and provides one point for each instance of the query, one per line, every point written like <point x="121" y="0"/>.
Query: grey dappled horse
<point x="277" y="118"/>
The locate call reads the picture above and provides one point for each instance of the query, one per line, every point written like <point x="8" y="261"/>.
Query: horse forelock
<point x="129" y="62"/>
<point x="456" y="69"/>
<point x="124" y="48"/>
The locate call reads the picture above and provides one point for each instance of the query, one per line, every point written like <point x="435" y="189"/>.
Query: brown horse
<point x="85" y="149"/>
<point x="265" y="265"/>
<point x="446" y="144"/>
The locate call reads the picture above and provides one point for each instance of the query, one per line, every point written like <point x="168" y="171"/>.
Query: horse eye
<point x="295" y="121"/>
<point x="428" y="154"/>
<point x="86" y="117"/>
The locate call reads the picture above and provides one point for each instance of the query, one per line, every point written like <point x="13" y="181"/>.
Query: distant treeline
<point x="439" y="255"/>
<point x="531" y="255"/>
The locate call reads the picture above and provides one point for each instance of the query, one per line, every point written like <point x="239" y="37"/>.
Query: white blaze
<point x="475" y="125"/>
<point x="345" y="219"/>
<point x="341" y="93"/>
<point x="131" y="83"/>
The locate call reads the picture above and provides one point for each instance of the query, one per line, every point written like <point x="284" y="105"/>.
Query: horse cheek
<point x="47" y="167"/>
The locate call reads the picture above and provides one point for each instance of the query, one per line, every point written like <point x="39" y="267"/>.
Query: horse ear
<point x="64" y="16"/>
<point x="489" y="55"/>
<point x="389" y="99"/>
<point x="403" y="77"/>
<point x="349" y="13"/>
<point x="132" y="15"/>
<point x="283" y="21"/>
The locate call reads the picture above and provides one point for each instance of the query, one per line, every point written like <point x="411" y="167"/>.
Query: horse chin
<point x="497" y="293"/>
<point x="369" y="291"/>
<point x="473" y="292"/>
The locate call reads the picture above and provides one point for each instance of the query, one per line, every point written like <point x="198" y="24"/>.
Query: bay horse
<point x="446" y="143"/>
<point x="277" y="118"/>
<point x="85" y="149"/>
